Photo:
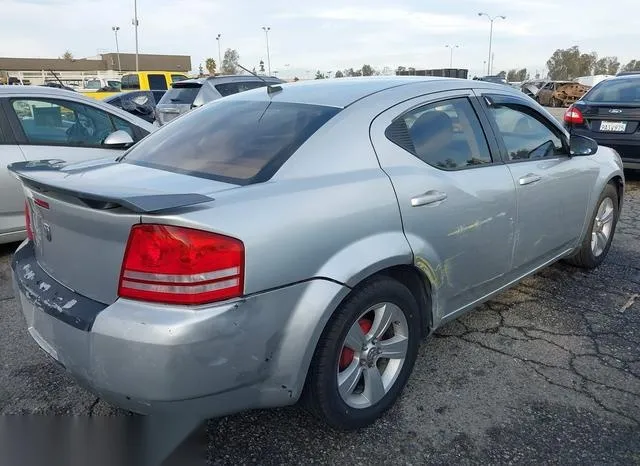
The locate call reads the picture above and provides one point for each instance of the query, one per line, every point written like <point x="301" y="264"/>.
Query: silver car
<point x="39" y="122"/>
<point x="183" y="96"/>
<point x="272" y="247"/>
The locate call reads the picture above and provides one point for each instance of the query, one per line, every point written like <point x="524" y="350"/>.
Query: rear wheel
<point x="597" y="242"/>
<point x="365" y="355"/>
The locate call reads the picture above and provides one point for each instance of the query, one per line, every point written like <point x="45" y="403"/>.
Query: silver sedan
<point x="297" y="242"/>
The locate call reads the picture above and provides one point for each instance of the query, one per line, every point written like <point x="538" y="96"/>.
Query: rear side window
<point x="130" y="82"/>
<point x="157" y="81"/>
<point x="177" y="77"/>
<point x="181" y="94"/>
<point x="232" y="141"/>
<point x="445" y="135"/>
<point x="624" y="90"/>
<point x="227" y="89"/>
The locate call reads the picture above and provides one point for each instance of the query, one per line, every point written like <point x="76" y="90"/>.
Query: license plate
<point x="613" y="126"/>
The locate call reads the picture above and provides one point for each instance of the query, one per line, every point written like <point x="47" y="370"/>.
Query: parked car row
<point x="293" y="243"/>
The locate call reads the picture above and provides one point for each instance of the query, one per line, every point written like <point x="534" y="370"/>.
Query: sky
<point x="327" y="35"/>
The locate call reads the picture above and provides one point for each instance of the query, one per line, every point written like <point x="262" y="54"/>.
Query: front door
<point x="552" y="187"/>
<point x="456" y="198"/>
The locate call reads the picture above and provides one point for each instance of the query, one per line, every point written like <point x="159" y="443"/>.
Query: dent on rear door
<point x="11" y="195"/>
<point x="464" y="243"/>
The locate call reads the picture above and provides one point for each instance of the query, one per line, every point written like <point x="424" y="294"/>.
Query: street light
<point x="451" y="47"/>
<point x="115" y="30"/>
<point x="266" y="30"/>
<point x="491" y="19"/>
<point x="219" y="54"/>
<point x="134" y="21"/>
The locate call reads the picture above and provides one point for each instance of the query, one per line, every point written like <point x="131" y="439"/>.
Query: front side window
<point x="446" y="135"/>
<point x="524" y="136"/>
<point x="237" y="142"/>
<point x="62" y="122"/>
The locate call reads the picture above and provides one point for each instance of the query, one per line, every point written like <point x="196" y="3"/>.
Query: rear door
<point x="456" y="197"/>
<point x="552" y="188"/>
<point x="11" y="196"/>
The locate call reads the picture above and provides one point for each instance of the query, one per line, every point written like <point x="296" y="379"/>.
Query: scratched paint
<point x="28" y="273"/>
<point x="441" y="274"/>
<point x="465" y="229"/>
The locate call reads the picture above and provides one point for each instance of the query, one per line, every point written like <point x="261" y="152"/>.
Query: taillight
<point x="177" y="265"/>
<point x="574" y="116"/>
<point x="27" y="218"/>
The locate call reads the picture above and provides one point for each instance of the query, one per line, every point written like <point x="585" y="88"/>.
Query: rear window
<point x="130" y="81"/>
<point x="619" y="91"/>
<point x="181" y="94"/>
<point x="238" y="142"/>
<point x="234" y="88"/>
<point x="157" y="81"/>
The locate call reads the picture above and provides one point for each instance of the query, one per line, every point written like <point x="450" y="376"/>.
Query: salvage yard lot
<point x="546" y="372"/>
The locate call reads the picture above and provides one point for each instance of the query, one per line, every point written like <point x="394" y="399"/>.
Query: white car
<point x="38" y="122"/>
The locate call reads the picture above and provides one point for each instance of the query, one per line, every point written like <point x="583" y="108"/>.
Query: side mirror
<point x="118" y="139"/>
<point x="582" y="145"/>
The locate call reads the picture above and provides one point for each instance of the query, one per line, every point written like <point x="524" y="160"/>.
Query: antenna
<point x="271" y="88"/>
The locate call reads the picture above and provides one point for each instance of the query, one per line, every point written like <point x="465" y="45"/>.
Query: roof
<point x="337" y="92"/>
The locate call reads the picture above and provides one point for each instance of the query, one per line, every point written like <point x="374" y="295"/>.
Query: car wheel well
<point x="419" y="286"/>
<point x="617" y="182"/>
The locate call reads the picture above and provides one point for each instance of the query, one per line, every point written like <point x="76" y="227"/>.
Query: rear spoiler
<point x="48" y="175"/>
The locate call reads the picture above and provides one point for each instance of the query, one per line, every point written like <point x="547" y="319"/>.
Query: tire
<point x="351" y="411"/>
<point x="586" y="257"/>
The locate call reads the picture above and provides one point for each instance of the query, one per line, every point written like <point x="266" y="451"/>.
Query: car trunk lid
<point x="611" y="118"/>
<point x="81" y="215"/>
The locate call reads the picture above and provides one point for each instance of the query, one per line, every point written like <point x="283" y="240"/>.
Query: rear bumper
<point x="209" y="361"/>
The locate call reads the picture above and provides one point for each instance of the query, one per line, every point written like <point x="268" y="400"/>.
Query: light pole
<point x="266" y="30"/>
<point x="135" y="25"/>
<point x="451" y="47"/>
<point x="219" y="54"/>
<point x="491" y="19"/>
<point x="115" y="30"/>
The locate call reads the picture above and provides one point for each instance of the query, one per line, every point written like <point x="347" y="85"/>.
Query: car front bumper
<point x="208" y="361"/>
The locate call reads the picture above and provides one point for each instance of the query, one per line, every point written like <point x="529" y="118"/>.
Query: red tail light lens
<point x="574" y="116"/>
<point x="177" y="265"/>
<point x="27" y="218"/>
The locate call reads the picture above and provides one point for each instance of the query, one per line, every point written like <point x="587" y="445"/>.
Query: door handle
<point x="430" y="197"/>
<point x="528" y="179"/>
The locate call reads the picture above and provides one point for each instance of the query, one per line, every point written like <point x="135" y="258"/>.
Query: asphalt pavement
<point x="547" y="372"/>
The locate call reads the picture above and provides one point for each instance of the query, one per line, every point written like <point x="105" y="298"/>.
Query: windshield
<point x="615" y="91"/>
<point x="181" y="94"/>
<point x="240" y="142"/>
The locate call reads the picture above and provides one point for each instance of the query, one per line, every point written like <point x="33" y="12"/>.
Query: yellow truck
<point x="141" y="81"/>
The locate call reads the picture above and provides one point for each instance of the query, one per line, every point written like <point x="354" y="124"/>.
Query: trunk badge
<point x="47" y="231"/>
<point x="615" y="110"/>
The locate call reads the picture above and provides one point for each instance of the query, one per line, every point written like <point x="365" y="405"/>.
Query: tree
<point x="210" y="64"/>
<point x="200" y="71"/>
<point x="367" y="70"/>
<point x="569" y="63"/>
<point x="512" y="75"/>
<point x="320" y="75"/>
<point x="339" y="74"/>
<point x="400" y="69"/>
<point x="67" y="55"/>
<point x="606" y="65"/>
<point x="230" y="62"/>
<point x="261" y="66"/>
<point x="522" y="75"/>
<point x="502" y="74"/>
<point x="633" y="65"/>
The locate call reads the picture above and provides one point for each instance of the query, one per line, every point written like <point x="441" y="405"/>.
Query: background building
<point x="74" y="71"/>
